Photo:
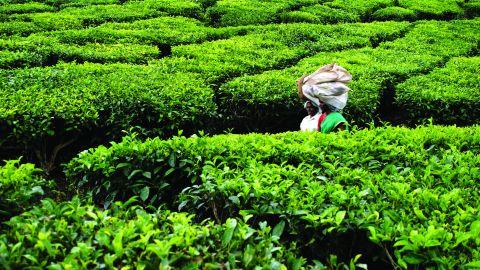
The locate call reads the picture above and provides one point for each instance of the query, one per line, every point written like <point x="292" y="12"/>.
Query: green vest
<point x="331" y="122"/>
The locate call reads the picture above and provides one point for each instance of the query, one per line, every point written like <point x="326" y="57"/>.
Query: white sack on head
<point x="333" y="93"/>
<point x="328" y="85"/>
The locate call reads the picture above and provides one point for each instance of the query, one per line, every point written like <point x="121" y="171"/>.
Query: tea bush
<point x="93" y="101"/>
<point x="448" y="95"/>
<point x="394" y="13"/>
<point x="427" y="223"/>
<point x="78" y="235"/>
<point x="110" y="42"/>
<point x="21" y="185"/>
<point x="472" y="8"/>
<point x="60" y="3"/>
<point x="363" y="9"/>
<point x="26" y="24"/>
<point x="126" y="168"/>
<point x="260" y="98"/>
<point x="83" y="3"/>
<point x="24" y="8"/>
<point x="175" y="31"/>
<point x="414" y="191"/>
<point x="272" y="47"/>
<point x="246" y="12"/>
<point x="439" y="9"/>
<point x="31" y="52"/>
<point x="319" y="14"/>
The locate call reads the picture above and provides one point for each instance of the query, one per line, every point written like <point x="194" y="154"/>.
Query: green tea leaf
<point x="231" y="224"/>
<point x="144" y="193"/>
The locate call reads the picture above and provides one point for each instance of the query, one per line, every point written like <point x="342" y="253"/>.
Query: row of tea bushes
<point x="425" y="214"/>
<point x="29" y="123"/>
<point x="137" y="42"/>
<point x="46" y="52"/>
<point x="253" y="97"/>
<point x="33" y="7"/>
<point x="79" y="18"/>
<point x="273" y="47"/>
<point x="380" y="10"/>
<point x="434" y="9"/>
<point x="375" y="73"/>
<point x="39" y="22"/>
<point x="449" y="95"/>
<point x="250" y="12"/>
<point x="125" y="168"/>
<point x="21" y="185"/>
<point x="60" y="3"/>
<point x="413" y="191"/>
<point x="59" y="105"/>
<point x="76" y="235"/>
<point x="319" y="14"/>
<point x="169" y="31"/>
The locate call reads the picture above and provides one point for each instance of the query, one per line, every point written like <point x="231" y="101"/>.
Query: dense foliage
<point x="20" y="187"/>
<point x="75" y="235"/>
<point x="127" y="76"/>
<point x="413" y="191"/>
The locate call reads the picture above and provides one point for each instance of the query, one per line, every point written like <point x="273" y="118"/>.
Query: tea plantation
<point x="159" y="134"/>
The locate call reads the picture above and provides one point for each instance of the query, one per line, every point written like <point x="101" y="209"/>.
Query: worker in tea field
<point x="311" y="121"/>
<point x="325" y="89"/>
<point x="326" y="119"/>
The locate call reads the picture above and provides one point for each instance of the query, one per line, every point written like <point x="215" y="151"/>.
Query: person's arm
<point x="340" y="127"/>
<point x="299" y="87"/>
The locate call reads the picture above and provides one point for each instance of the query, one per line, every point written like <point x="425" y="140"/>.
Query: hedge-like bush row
<point x="123" y="169"/>
<point x="426" y="214"/>
<point x="75" y="235"/>
<point x="337" y="11"/>
<point x="414" y="192"/>
<point x="26" y="24"/>
<point x="39" y="51"/>
<point x="449" y="95"/>
<point x="274" y="46"/>
<point x="472" y="8"/>
<point x="261" y="98"/>
<point x="87" y="98"/>
<point x="363" y="9"/>
<point x="394" y="13"/>
<point x="32" y="7"/>
<point x="381" y="10"/>
<point x="21" y="185"/>
<point x="111" y="42"/>
<point x="59" y="3"/>
<point x="434" y="9"/>
<point x="162" y="31"/>
<point x="78" y="18"/>
<point x="83" y="3"/>
<point x="319" y="14"/>
<point x="249" y="12"/>
<point x="51" y="107"/>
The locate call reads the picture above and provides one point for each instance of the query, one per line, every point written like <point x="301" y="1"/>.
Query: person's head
<point x="323" y="106"/>
<point x="311" y="109"/>
<point x="327" y="108"/>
